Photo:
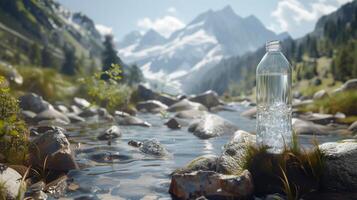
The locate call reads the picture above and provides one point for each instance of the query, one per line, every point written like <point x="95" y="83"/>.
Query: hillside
<point x="40" y="33"/>
<point x="333" y="41"/>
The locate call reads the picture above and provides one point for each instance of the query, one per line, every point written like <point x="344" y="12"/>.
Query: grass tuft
<point x="294" y="172"/>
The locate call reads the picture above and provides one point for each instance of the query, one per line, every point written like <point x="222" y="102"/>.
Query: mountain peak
<point x="228" y="9"/>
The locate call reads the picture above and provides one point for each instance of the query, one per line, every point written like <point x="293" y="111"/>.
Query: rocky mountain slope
<point x="207" y="39"/>
<point x="38" y="31"/>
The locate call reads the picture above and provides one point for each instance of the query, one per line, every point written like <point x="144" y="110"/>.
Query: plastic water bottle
<point x="274" y="99"/>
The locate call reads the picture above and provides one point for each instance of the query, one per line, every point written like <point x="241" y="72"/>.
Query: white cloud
<point x="104" y="30"/>
<point x="165" y="25"/>
<point x="172" y="10"/>
<point x="290" y="14"/>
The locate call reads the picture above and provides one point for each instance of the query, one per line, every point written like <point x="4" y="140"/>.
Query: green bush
<point x="106" y="92"/>
<point x="344" y="102"/>
<point x="13" y="130"/>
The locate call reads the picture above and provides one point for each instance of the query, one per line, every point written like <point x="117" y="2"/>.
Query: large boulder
<point x="111" y="133"/>
<point x="233" y="153"/>
<point x="320" y="95"/>
<point x="211" y="185"/>
<point x="131" y="121"/>
<point x="51" y="114"/>
<point x="144" y="93"/>
<point x="302" y="127"/>
<point x="152" y="106"/>
<point x="53" y="148"/>
<point x="186" y="105"/>
<point x="211" y="126"/>
<point x="11" y="181"/>
<point x="347" y="86"/>
<point x="340" y="172"/>
<point x="209" y="99"/>
<point x="153" y="147"/>
<point x="34" y="103"/>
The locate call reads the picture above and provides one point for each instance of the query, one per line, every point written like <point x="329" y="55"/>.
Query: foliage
<point x="344" y="65"/>
<point x="13" y="131"/>
<point x="106" y="93"/>
<point x="344" y="102"/>
<point x="47" y="83"/>
<point x="294" y="172"/>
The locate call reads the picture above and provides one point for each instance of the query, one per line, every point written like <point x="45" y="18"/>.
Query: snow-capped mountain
<point x="202" y="43"/>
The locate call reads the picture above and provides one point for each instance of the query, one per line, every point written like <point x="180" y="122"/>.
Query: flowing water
<point x="134" y="175"/>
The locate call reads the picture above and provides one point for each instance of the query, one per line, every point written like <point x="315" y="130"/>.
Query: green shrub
<point x="344" y="102"/>
<point x="106" y="93"/>
<point x="13" y="130"/>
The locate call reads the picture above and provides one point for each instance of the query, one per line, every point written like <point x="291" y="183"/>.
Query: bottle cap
<point x="273" y="45"/>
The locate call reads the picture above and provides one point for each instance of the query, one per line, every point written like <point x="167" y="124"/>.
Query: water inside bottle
<point x="274" y="111"/>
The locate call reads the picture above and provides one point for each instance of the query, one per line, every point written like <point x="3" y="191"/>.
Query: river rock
<point x="54" y="146"/>
<point x="121" y="114"/>
<point x="302" y="103"/>
<point x="51" y="114"/>
<point x="302" y="127"/>
<point x="89" y="112"/>
<point x="152" y="106"/>
<point x="145" y="93"/>
<point x="62" y="108"/>
<point x="211" y="126"/>
<point x="111" y="133"/>
<point x="348" y="85"/>
<point x="102" y="112"/>
<point x="190" y="114"/>
<point x="81" y="103"/>
<point x="74" y="118"/>
<point x="353" y="127"/>
<point x="233" y="153"/>
<point x="320" y="95"/>
<point x="28" y="116"/>
<point x="134" y="143"/>
<point x="318" y="118"/>
<point x="186" y="105"/>
<point x="153" y="147"/>
<point x="131" y="121"/>
<point x="204" y="163"/>
<point x="340" y="172"/>
<point x="173" y="124"/>
<point x="251" y="113"/>
<point x="75" y="109"/>
<point x="33" y="102"/>
<point x="209" y="99"/>
<point x="211" y="185"/>
<point x="11" y="180"/>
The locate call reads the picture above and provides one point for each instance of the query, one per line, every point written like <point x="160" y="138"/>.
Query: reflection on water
<point x="134" y="175"/>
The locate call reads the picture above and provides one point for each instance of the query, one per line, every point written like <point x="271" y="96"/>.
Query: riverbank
<point x="106" y="155"/>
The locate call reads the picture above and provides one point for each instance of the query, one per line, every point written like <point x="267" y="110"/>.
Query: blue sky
<point x="298" y="17"/>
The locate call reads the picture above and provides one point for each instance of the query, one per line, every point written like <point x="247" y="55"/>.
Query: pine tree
<point x="69" y="65"/>
<point x="110" y="55"/>
<point x="46" y="57"/>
